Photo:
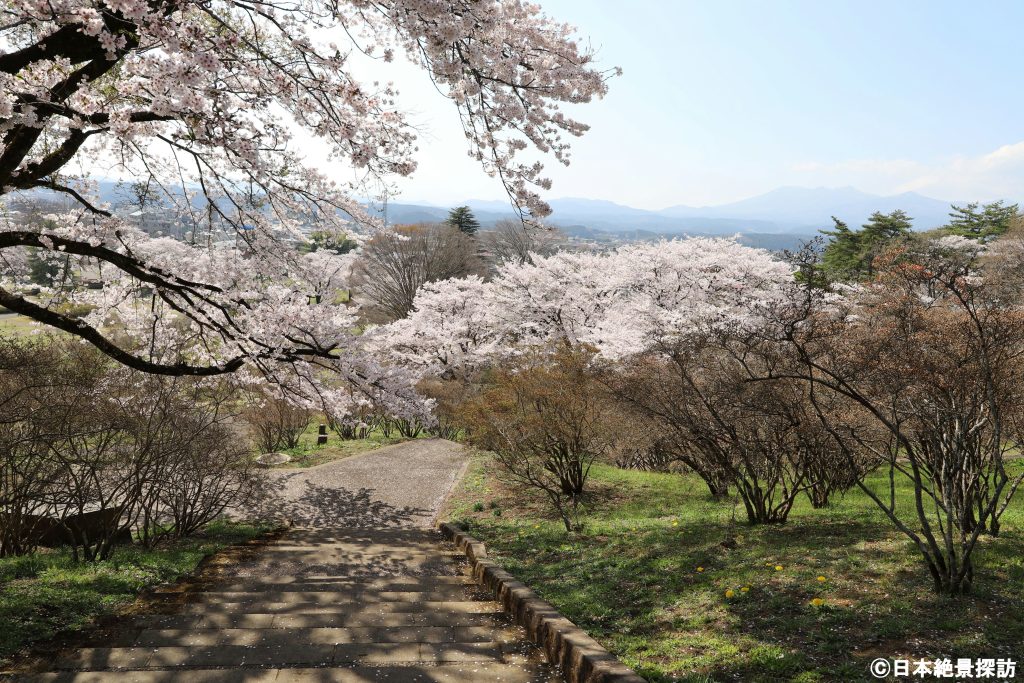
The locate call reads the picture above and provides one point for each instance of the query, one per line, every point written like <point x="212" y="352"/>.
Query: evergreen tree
<point x="879" y="232"/>
<point x="841" y="259"/>
<point x="981" y="222"/>
<point x="462" y="217"/>
<point x="885" y="227"/>
<point x="850" y="254"/>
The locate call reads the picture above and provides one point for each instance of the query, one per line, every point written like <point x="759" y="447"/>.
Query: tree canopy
<point x="619" y="303"/>
<point x="332" y="241"/>
<point x="850" y="254"/>
<point x="202" y="102"/>
<point x="981" y="222"/>
<point x="462" y="217"/>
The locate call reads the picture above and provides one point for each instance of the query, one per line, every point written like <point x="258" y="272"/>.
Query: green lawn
<point x="649" y="574"/>
<point x="18" y="326"/>
<point x="48" y="594"/>
<point x="308" y="454"/>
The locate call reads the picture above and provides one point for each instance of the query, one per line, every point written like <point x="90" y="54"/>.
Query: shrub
<point x="448" y="395"/>
<point x="276" y="423"/>
<point x="409" y="428"/>
<point x="646" y="456"/>
<point x="213" y="475"/>
<point x="931" y="352"/>
<point x="546" y="419"/>
<point x="356" y="424"/>
<point x="91" y="450"/>
<point x="712" y="411"/>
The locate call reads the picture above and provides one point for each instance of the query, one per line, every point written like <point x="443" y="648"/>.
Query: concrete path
<point x="396" y="486"/>
<point x="329" y="602"/>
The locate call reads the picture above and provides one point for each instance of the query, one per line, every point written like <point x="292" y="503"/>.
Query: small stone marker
<point x="321" y="437"/>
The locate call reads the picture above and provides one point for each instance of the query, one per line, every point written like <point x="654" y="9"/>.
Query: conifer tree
<point x="981" y="222"/>
<point x="842" y="255"/>
<point x="462" y="217"/>
<point x="850" y="254"/>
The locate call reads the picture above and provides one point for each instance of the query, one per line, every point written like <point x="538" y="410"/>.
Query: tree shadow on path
<point x="337" y="506"/>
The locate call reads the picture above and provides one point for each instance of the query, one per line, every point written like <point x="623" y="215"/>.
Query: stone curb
<point x="581" y="658"/>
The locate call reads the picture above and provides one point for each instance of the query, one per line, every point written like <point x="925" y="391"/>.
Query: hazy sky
<point x="721" y="100"/>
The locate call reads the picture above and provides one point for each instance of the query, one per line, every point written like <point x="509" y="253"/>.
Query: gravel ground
<point x="396" y="486"/>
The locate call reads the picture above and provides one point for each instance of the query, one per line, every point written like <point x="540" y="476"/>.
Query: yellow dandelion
<point x="821" y="579"/>
<point x="730" y="593"/>
<point x="778" y="567"/>
<point x="817" y="602"/>
<point x="675" y="523"/>
<point x="745" y="589"/>
<point x="536" y="526"/>
<point x="700" y="569"/>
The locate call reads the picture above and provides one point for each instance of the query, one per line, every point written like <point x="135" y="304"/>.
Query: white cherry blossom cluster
<point x="203" y="102"/>
<point x="624" y="302"/>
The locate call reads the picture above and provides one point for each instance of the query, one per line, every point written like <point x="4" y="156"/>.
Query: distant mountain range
<point x="784" y="211"/>
<point x="777" y="219"/>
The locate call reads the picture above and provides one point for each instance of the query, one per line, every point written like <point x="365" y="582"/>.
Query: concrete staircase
<point x="325" y="605"/>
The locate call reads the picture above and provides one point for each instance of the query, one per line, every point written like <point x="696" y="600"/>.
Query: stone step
<point x="318" y="584"/>
<point x="342" y="565"/>
<point x="445" y="673"/>
<point x="318" y="636"/>
<point x="395" y="570"/>
<point x="384" y="545"/>
<point x="365" y="533"/>
<point x="348" y="567"/>
<point x="346" y="549"/>
<point x="276" y="656"/>
<point x="390" y="545"/>
<point x="367" y="597"/>
<point x="323" y="606"/>
<point x="494" y="617"/>
<point x="446" y="606"/>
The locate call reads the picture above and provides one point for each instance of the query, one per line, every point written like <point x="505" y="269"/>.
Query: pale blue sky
<point x="721" y="100"/>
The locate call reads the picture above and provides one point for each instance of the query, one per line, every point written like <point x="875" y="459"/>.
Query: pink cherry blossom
<point x="203" y="102"/>
<point x="622" y="303"/>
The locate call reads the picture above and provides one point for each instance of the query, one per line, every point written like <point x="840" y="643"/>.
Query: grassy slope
<point x="632" y="581"/>
<point x="18" y="326"/>
<point x="308" y="454"/>
<point x="47" y="594"/>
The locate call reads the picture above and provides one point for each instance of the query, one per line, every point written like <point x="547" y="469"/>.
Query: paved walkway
<point x="395" y="486"/>
<point x="364" y="591"/>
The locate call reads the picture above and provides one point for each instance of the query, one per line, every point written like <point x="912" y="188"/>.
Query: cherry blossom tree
<point x="450" y="328"/>
<point x="642" y="303"/>
<point x="203" y="101"/>
<point x="621" y="303"/>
